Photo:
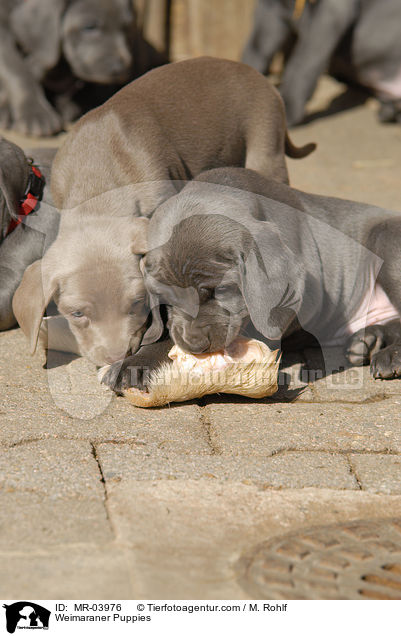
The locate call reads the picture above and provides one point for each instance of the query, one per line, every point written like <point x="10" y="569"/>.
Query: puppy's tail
<point x="297" y="153"/>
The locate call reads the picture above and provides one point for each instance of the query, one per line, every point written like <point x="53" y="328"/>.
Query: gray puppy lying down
<point x="23" y="243"/>
<point x="357" y="40"/>
<point x="119" y="162"/>
<point x="59" y="58"/>
<point x="233" y="248"/>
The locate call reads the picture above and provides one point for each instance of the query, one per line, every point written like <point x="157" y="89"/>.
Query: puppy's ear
<point x="14" y="171"/>
<point x="272" y="283"/>
<point x="30" y="301"/>
<point x="37" y="27"/>
<point x="139" y="235"/>
<point x="155" y="331"/>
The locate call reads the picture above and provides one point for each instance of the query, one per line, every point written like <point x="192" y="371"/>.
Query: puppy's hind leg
<point x="263" y="157"/>
<point x="385" y="241"/>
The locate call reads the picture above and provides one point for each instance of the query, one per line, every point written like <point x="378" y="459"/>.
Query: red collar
<point x="32" y="195"/>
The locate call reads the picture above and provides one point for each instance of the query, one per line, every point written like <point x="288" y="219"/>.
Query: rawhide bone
<point x="247" y="367"/>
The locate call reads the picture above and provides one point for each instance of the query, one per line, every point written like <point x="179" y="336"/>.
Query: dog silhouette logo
<point x="26" y="615"/>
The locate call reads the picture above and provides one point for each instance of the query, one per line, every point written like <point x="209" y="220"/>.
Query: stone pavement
<point x="296" y="496"/>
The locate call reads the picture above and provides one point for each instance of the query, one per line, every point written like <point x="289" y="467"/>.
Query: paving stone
<point x="29" y="411"/>
<point x="348" y="163"/>
<point x="29" y="520"/>
<point x="17" y="367"/>
<point x="188" y="536"/>
<point x="67" y="573"/>
<point x="289" y="470"/>
<point x="35" y="416"/>
<point x="264" y="429"/>
<point x="292" y="380"/>
<point x="53" y="493"/>
<point x="55" y="468"/>
<point x="343" y="383"/>
<point x="67" y="401"/>
<point x="305" y="469"/>
<point x="378" y="472"/>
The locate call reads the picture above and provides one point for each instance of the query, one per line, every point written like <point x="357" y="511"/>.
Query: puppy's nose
<point x="118" y="67"/>
<point x="197" y="347"/>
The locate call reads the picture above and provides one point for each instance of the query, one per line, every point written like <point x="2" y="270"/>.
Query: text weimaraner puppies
<point x="356" y="40"/>
<point x="119" y="162"/>
<point x="60" y="58"/>
<point x="233" y="248"/>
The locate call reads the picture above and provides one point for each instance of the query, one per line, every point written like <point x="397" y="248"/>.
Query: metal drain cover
<point x="358" y="560"/>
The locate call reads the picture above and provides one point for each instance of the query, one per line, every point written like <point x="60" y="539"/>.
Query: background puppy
<point x="220" y="255"/>
<point x="59" y="58"/>
<point x="124" y="159"/>
<point x="26" y="242"/>
<point x="357" y="40"/>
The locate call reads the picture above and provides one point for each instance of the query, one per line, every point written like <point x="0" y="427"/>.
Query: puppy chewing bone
<point x="247" y="367"/>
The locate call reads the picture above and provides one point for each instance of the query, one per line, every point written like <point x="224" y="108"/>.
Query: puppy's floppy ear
<point x="139" y="235"/>
<point x="272" y="283"/>
<point x="37" y="27"/>
<point x="14" y="171"/>
<point x="155" y="331"/>
<point x="139" y="245"/>
<point x="30" y="301"/>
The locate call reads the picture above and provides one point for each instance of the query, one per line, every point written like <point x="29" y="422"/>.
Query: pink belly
<point x="386" y="89"/>
<point x="375" y="308"/>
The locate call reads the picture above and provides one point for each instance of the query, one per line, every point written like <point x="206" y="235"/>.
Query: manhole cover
<point x="359" y="560"/>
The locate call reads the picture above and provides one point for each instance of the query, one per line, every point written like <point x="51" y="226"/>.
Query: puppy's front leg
<point x="271" y="28"/>
<point x="135" y="370"/>
<point x="31" y="113"/>
<point x="310" y="57"/>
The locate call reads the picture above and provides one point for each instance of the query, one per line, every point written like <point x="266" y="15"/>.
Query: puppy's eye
<point x="90" y="26"/>
<point x="225" y="289"/>
<point x="137" y="306"/>
<point x="77" y="314"/>
<point x="205" y="294"/>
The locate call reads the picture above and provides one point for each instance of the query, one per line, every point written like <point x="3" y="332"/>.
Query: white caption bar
<point x="150" y="617"/>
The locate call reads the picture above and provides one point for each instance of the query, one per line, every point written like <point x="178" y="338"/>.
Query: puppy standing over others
<point x="356" y="40"/>
<point x="233" y="247"/>
<point x="120" y="161"/>
<point x="60" y="58"/>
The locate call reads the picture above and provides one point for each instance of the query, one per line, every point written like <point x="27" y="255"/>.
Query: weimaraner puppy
<point x="120" y="162"/>
<point x="356" y="40"/>
<point x="28" y="220"/>
<point x="233" y="249"/>
<point x="60" y="58"/>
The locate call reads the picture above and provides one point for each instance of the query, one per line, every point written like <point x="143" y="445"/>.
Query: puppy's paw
<point x="363" y="344"/>
<point x="68" y="109"/>
<point x="37" y="118"/>
<point x="125" y="374"/>
<point x="386" y="364"/>
<point x="390" y="112"/>
<point x="135" y="371"/>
